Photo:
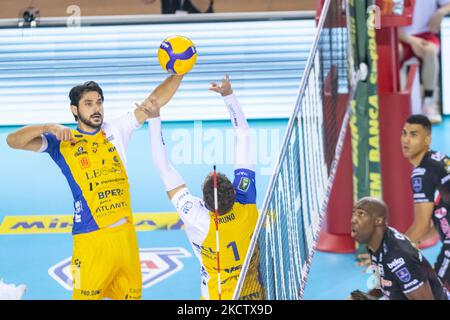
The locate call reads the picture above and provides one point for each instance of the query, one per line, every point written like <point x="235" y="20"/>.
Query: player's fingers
<point x="214" y="87"/>
<point x="67" y="134"/>
<point x="63" y="135"/>
<point x="227" y="77"/>
<point x="70" y="135"/>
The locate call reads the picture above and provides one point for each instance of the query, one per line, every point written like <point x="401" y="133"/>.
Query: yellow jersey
<point x="94" y="165"/>
<point x="235" y="231"/>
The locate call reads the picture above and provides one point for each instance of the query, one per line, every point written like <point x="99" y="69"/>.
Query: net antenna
<point x="287" y="230"/>
<point x="216" y="210"/>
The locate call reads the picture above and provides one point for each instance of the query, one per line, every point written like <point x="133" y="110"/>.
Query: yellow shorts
<point x="106" y="264"/>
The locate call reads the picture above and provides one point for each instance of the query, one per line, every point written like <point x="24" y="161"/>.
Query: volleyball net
<point x="286" y="234"/>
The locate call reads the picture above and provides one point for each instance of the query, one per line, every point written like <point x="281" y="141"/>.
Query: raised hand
<point x="224" y="88"/>
<point x="150" y="107"/>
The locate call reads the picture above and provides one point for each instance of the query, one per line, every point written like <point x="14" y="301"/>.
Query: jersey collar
<point x="425" y="158"/>
<point x="89" y="133"/>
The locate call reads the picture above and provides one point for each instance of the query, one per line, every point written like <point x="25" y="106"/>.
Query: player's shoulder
<point x="432" y="162"/>
<point x="50" y="143"/>
<point x="398" y="245"/>
<point x="418" y="171"/>
<point x="49" y="136"/>
<point x="244" y="172"/>
<point x="435" y="159"/>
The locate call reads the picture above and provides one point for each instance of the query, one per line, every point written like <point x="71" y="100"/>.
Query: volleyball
<point x="177" y="55"/>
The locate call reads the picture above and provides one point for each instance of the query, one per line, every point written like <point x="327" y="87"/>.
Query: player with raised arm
<point x="237" y="209"/>
<point x="105" y="260"/>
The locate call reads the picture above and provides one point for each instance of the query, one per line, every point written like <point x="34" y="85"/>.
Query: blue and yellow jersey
<point x="235" y="232"/>
<point x="95" y="168"/>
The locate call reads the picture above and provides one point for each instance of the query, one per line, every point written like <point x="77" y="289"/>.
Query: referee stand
<point x="395" y="105"/>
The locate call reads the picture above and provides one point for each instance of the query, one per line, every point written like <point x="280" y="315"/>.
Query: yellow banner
<point x="63" y="223"/>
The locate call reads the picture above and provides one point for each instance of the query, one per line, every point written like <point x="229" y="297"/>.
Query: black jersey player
<point x="430" y="183"/>
<point x="402" y="270"/>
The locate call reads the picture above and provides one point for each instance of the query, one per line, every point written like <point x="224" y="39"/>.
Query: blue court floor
<point x="32" y="189"/>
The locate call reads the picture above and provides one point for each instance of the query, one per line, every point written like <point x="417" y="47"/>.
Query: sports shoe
<point x="11" y="291"/>
<point x="431" y="109"/>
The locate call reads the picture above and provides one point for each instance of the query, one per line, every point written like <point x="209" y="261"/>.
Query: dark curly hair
<point x="225" y="193"/>
<point x="77" y="92"/>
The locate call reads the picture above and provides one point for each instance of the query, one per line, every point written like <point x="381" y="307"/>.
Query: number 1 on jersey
<point x="235" y="250"/>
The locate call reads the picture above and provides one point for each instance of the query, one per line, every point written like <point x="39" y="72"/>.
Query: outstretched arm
<point x="239" y="122"/>
<point x="29" y="137"/>
<point x="170" y="177"/>
<point x="161" y="95"/>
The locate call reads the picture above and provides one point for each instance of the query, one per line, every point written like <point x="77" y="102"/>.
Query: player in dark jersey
<point x="402" y="270"/>
<point x="430" y="183"/>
